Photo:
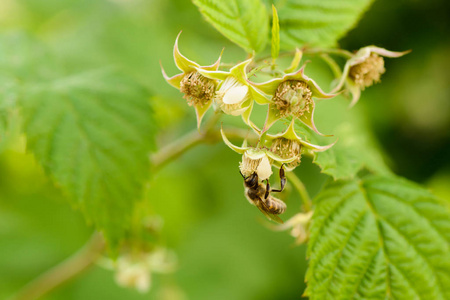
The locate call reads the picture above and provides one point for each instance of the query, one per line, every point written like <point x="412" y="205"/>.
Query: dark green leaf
<point x="355" y="148"/>
<point x="379" y="238"/>
<point x="93" y="132"/>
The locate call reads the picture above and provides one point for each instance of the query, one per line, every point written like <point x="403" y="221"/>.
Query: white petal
<point x="235" y="94"/>
<point x="134" y="276"/>
<point x="143" y="282"/>
<point x="264" y="169"/>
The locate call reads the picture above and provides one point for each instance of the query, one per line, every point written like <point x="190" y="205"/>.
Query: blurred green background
<point x="223" y="251"/>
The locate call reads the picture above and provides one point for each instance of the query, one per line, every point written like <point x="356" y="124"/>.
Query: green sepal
<point x="183" y="63"/>
<point x="200" y="111"/>
<point x="240" y="150"/>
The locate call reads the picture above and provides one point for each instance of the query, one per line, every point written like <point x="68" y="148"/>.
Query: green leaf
<point x="355" y="149"/>
<point x="9" y="115"/>
<point x="317" y="23"/>
<point x="275" y="34"/>
<point x="245" y="23"/>
<point x="379" y="238"/>
<point x="92" y="132"/>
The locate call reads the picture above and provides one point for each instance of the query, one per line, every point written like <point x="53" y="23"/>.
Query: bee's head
<point x="251" y="181"/>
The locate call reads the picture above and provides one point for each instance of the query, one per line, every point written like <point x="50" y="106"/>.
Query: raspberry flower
<point x="256" y="160"/>
<point x="198" y="90"/>
<point x="235" y="95"/>
<point x="285" y="148"/>
<point x="292" y="95"/>
<point x="288" y="145"/>
<point x="299" y="225"/>
<point x="134" y="271"/>
<point x="364" y="69"/>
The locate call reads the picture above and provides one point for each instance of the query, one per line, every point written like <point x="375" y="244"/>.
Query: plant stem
<point x="332" y="64"/>
<point x="173" y="150"/>
<point x="186" y="142"/>
<point x="340" y="52"/>
<point x="300" y="187"/>
<point x="63" y="272"/>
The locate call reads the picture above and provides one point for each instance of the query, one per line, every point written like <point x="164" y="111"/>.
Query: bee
<point x="258" y="194"/>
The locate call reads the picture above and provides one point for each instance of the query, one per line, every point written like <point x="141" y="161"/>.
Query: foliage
<point x="378" y="238"/>
<point x="303" y="22"/>
<point x="317" y="23"/>
<point x="355" y="147"/>
<point x="91" y="129"/>
<point x="92" y="132"/>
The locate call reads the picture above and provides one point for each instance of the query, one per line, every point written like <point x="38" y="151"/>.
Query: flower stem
<point x="332" y="64"/>
<point x="340" y="52"/>
<point x="300" y="187"/>
<point x="63" y="272"/>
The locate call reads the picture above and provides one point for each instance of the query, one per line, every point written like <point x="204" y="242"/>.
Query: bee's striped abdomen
<point x="274" y="205"/>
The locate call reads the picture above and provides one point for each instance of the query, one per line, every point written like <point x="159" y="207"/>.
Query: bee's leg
<point x="267" y="189"/>
<point x="242" y="174"/>
<point x="282" y="180"/>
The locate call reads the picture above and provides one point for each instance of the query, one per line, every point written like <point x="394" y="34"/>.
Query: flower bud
<point x="293" y="97"/>
<point x="198" y="90"/>
<point x="368" y="72"/>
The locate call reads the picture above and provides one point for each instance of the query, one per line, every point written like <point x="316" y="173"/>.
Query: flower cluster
<point x="289" y="96"/>
<point x="234" y="94"/>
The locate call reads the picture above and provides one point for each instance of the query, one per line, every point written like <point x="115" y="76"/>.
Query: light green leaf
<point x="317" y="23"/>
<point x="17" y="64"/>
<point x="245" y="23"/>
<point x="9" y="115"/>
<point x="379" y="238"/>
<point x="92" y="133"/>
<point x="355" y="148"/>
<point x="275" y="34"/>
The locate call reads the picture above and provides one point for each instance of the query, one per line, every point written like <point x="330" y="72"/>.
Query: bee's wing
<point x="263" y="208"/>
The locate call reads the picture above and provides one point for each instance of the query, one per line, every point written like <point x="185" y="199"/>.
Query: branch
<point x="174" y="150"/>
<point x="341" y="52"/>
<point x="63" y="272"/>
